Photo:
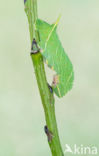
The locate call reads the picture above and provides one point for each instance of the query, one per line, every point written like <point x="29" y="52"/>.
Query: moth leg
<point x="50" y="88"/>
<point x="55" y="80"/>
<point x="34" y="48"/>
<point x="48" y="133"/>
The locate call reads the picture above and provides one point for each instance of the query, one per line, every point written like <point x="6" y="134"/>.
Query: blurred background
<point x="21" y="113"/>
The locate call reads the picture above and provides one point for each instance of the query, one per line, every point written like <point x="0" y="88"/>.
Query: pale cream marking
<point x="59" y="91"/>
<point x="55" y="80"/>
<point x="46" y="62"/>
<point x="69" y="77"/>
<point x="52" y="68"/>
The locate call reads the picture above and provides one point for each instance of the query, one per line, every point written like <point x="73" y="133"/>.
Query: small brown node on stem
<point x="48" y="133"/>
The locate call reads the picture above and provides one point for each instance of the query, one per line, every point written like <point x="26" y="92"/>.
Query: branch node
<point x="48" y="133"/>
<point x="25" y="1"/>
<point x="34" y="48"/>
<point x="50" y="88"/>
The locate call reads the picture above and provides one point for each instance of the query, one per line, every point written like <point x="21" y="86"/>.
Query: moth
<point x="55" y="57"/>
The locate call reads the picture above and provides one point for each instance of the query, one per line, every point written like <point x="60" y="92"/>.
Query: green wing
<point x="55" y="57"/>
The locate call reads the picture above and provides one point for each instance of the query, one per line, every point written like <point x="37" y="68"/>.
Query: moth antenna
<point x="57" y="21"/>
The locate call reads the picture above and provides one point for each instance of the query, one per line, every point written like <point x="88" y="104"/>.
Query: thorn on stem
<point x="48" y="133"/>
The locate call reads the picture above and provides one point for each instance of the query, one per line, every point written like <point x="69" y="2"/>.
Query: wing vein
<point x="49" y="35"/>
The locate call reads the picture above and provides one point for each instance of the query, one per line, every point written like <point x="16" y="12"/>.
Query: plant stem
<point x="46" y="96"/>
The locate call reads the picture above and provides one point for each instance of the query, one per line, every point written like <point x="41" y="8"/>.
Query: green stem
<point x="46" y="96"/>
